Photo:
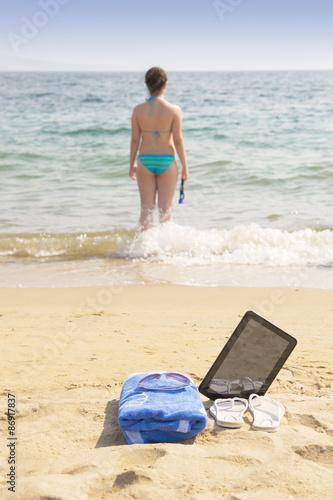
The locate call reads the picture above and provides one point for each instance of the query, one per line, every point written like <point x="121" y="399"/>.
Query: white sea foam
<point x="181" y="245"/>
<point x="242" y="245"/>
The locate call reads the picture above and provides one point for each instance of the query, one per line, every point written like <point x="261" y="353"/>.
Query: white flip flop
<point x="267" y="413"/>
<point x="229" y="412"/>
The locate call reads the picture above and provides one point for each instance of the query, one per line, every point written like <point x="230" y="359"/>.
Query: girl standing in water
<point x="157" y="133"/>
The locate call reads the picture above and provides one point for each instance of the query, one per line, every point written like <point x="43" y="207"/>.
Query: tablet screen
<point x="250" y="361"/>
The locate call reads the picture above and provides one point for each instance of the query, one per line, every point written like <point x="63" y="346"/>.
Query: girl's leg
<point x="147" y="188"/>
<point x="166" y="185"/>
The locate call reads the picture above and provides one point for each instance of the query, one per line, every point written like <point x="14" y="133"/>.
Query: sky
<point x="179" y="35"/>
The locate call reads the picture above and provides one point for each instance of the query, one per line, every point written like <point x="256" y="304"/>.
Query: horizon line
<point x="169" y="71"/>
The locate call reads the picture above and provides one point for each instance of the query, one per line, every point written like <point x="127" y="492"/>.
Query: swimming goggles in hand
<point x="179" y="377"/>
<point x="181" y="194"/>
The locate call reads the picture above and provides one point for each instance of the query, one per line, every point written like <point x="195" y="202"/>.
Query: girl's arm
<point x="179" y="143"/>
<point x="135" y="141"/>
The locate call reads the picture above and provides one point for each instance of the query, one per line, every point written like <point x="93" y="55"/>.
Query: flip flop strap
<point x="215" y="404"/>
<point x="216" y="409"/>
<point x="231" y="400"/>
<point x="276" y="403"/>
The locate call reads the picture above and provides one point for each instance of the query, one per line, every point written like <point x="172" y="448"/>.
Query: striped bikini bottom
<point x="156" y="164"/>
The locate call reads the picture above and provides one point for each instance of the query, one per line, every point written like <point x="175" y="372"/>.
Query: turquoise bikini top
<point x="156" y="133"/>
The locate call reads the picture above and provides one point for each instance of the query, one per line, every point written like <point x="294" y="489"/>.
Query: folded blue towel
<point x="159" y="416"/>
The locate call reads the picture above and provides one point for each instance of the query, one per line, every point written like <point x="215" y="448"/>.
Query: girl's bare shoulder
<point x="173" y="108"/>
<point x="139" y="108"/>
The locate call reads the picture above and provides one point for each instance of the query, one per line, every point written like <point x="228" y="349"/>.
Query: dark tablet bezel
<point x="203" y="388"/>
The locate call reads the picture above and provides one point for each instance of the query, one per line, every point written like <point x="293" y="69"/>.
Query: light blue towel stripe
<point x="184" y="426"/>
<point x="133" y="437"/>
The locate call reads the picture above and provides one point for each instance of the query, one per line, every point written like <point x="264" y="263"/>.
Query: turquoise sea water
<point x="258" y="205"/>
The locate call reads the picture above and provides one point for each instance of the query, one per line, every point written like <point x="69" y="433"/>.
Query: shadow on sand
<point x="111" y="434"/>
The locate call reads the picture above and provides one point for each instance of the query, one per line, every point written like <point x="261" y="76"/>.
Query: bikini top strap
<point x="151" y="99"/>
<point x="156" y="133"/>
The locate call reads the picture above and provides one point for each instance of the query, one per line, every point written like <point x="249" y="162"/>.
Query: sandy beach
<point x="65" y="354"/>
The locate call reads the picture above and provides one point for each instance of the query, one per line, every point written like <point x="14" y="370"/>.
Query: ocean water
<point x="258" y="207"/>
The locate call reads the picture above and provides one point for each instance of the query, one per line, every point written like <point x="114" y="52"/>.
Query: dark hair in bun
<point x="156" y="78"/>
